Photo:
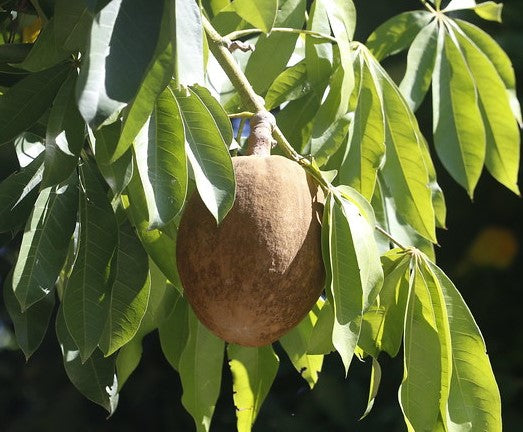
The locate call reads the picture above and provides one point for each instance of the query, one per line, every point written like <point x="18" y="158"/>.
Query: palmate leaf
<point x="502" y="133"/>
<point x="260" y="14"/>
<point x="459" y="133"/>
<point x="18" y="193"/>
<point x="207" y="153"/>
<point x="200" y="369"/>
<point x="130" y="290"/>
<point x="95" y="378"/>
<point x="290" y="85"/>
<point x="114" y="65"/>
<point x="88" y="286"/>
<point x="253" y="371"/>
<point x="24" y="103"/>
<point x="45" y="242"/>
<point x="31" y="324"/>
<point x="487" y="10"/>
<point x="159" y="151"/>
<point x="296" y="345"/>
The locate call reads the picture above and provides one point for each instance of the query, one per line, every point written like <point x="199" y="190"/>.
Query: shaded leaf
<point x="320" y="341"/>
<point x="260" y="14"/>
<point x="88" y="286"/>
<point x="72" y="21"/>
<point x="375" y="379"/>
<point x="208" y="155"/>
<point x="45" y="242"/>
<point x="159" y="152"/>
<point x="95" y="378"/>
<point x="253" y="371"/>
<point x="174" y="331"/>
<point x="127" y="302"/>
<point x="28" y="146"/>
<point x="18" y="193"/>
<point x="25" y="102"/>
<point x="31" y="325"/>
<point x="200" y="370"/>
<point x="114" y="64"/>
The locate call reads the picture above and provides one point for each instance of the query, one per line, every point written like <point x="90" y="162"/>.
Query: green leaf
<point x="72" y="22"/>
<point x="296" y="344"/>
<point x="498" y="58"/>
<point x="130" y="290"/>
<point x="253" y="372"/>
<point x="420" y="65"/>
<point x="28" y="146"/>
<point x="502" y="132"/>
<point x="116" y="174"/>
<point x="474" y="401"/>
<point x="488" y="10"/>
<point x="64" y="136"/>
<point x="218" y="113"/>
<point x="405" y="176"/>
<point x="114" y="64"/>
<point x="159" y="246"/>
<point x="365" y="149"/>
<point x="95" y="378"/>
<point x="276" y="46"/>
<point x="157" y="77"/>
<point x="18" y="193"/>
<point x="290" y="85"/>
<point x="420" y="389"/>
<point x="397" y="33"/>
<point x="459" y="134"/>
<point x="174" y="332"/>
<point x="331" y="122"/>
<point x="45" y="52"/>
<point x="382" y="325"/>
<point x="160" y="157"/>
<point x="25" y="102"/>
<point x="200" y="370"/>
<point x="318" y="53"/>
<point x="30" y="325"/>
<point x="14" y="52"/>
<point x="45" y="242"/>
<point x="88" y="286"/>
<point x="295" y="121"/>
<point x="208" y="154"/>
<point x="320" y="340"/>
<point x="375" y="379"/>
<point x="356" y="272"/>
<point x="260" y="14"/>
<point x="187" y="38"/>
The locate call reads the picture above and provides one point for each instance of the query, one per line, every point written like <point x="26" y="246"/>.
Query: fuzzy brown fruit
<point x="256" y="275"/>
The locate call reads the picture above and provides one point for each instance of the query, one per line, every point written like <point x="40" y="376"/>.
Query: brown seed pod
<point x="256" y="275"/>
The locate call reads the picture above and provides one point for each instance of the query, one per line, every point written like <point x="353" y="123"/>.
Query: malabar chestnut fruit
<point x="256" y="275"/>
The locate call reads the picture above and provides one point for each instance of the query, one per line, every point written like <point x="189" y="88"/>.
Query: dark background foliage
<point x="38" y="396"/>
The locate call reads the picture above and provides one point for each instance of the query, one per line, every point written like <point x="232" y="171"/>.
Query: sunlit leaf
<point x="260" y="14"/>
<point x="375" y="379"/>
<point x="200" y="370"/>
<point x="320" y="341"/>
<point x="397" y="33"/>
<point x="290" y="85"/>
<point x="114" y="64"/>
<point x="253" y="371"/>
<point x="159" y="152"/>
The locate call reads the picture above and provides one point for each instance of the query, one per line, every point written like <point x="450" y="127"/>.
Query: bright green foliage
<point x="117" y="114"/>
